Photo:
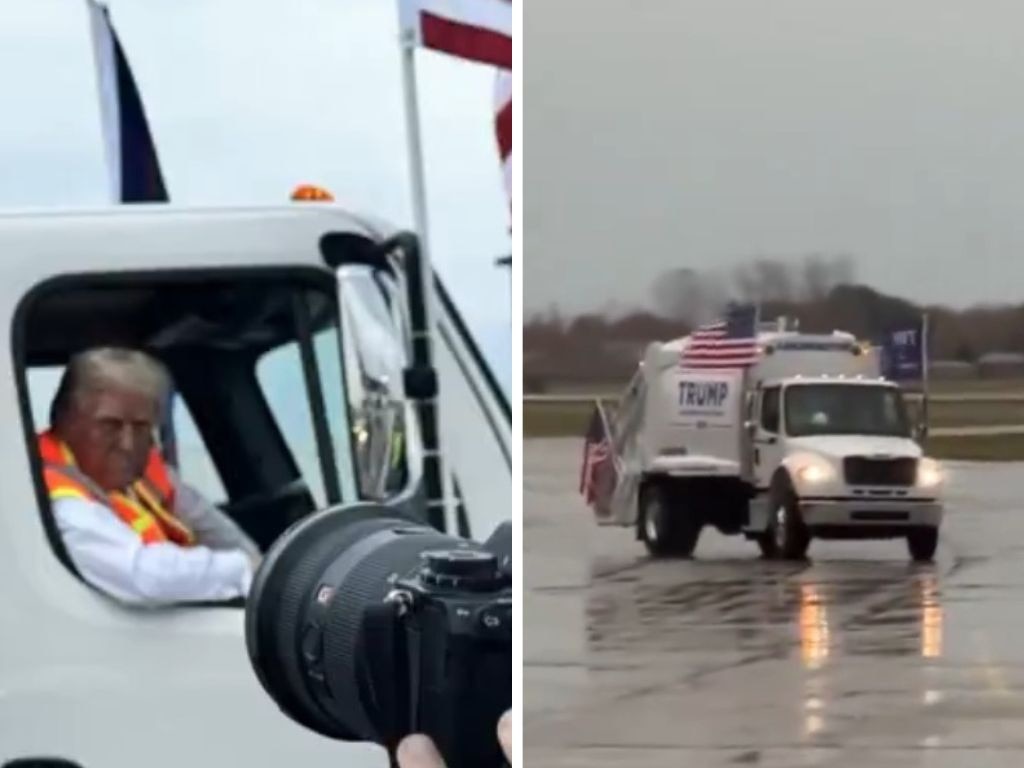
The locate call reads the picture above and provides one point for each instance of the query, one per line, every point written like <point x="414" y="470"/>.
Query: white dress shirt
<point x="211" y="526"/>
<point x="111" y="556"/>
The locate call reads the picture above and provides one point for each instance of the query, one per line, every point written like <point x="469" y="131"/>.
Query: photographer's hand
<point x="418" y="751"/>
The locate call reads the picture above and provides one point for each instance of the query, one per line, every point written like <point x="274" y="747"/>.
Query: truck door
<point x="767" y="439"/>
<point x="80" y="664"/>
<point x="475" y="418"/>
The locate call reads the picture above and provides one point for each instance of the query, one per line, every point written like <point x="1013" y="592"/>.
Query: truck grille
<point x="860" y="470"/>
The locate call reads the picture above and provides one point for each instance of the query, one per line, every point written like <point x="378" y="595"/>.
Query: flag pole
<point x="924" y="371"/>
<point x="415" y="146"/>
<point x="419" y="211"/>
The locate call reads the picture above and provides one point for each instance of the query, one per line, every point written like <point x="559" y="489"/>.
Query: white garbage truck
<point x="808" y="442"/>
<point x="292" y="338"/>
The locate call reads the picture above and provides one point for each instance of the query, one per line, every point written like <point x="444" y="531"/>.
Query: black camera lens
<point x="324" y="619"/>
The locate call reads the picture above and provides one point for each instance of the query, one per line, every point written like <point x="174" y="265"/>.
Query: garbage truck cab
<point x="288" y="332"/>
<point x="808" y="442"/>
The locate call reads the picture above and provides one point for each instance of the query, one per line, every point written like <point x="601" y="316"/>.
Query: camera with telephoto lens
<point x="365" y="625"/>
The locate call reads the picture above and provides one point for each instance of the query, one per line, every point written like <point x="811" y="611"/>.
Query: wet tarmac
<point x="856" y="658"/>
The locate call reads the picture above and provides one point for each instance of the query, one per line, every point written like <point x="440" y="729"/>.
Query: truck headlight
<point x="814" y="472"/>
<point x="929" y="473"/>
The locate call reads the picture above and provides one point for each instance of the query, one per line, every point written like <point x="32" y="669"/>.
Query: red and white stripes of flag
<point x="474" y="30"/>
<point x="503" y="127"/>
<point x="595" y="455"/>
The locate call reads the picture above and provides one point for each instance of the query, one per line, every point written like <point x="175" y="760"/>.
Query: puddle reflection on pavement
<point x="824" y="622"/>
<point x="840" y="608"/>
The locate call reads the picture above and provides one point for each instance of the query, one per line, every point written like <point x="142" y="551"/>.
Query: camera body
<point x="453" y="625"/>
<point x="364" y="626"/>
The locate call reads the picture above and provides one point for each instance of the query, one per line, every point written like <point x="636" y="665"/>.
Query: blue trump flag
<point x="135" y="175"/>
<point x="903" y="354"/>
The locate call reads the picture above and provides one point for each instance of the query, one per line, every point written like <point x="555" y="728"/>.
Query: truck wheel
<point x="787" y="537"/>
<point x="922" y="544"/>
<point x="666" y="528"/>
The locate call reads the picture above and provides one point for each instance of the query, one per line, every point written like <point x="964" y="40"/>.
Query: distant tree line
<point x="820" y="292"/>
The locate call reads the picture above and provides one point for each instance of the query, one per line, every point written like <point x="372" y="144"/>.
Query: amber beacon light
<point x="307" y="192"/>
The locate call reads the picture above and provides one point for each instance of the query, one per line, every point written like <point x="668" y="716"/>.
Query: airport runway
<point x="856" y="659"/>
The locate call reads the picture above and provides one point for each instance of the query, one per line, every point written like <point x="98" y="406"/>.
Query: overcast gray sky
<point x="669" y="133"/>
<point x="247" y="98"/>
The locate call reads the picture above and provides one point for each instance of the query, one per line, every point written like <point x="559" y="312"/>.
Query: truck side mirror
<point x="750" y="426"/>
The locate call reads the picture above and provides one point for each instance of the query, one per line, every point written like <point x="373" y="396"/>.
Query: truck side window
<point x="770" y="410"/>
<point x="260" y="418"/>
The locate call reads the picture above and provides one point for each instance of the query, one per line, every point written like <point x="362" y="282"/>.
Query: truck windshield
<point x="845" y="409"/>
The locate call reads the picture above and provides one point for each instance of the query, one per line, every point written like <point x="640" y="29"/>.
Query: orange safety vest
<point x="146" y="506"/>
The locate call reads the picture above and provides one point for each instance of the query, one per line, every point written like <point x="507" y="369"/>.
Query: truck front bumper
<point x="856" y="517"/>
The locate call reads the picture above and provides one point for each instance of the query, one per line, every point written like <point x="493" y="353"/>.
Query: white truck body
<point x="88" y="680"/>
<point x="706" y="433"/>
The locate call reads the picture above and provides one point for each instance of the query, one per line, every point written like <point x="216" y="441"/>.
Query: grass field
<point x="570" y="419"/>
<point x="984" y="448"/>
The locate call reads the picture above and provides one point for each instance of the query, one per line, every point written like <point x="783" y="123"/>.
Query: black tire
<point x="922" y="544"/>
<point x="767" y="546"/>
<point x="666" y="526"/>
<point x="787" y="537"/>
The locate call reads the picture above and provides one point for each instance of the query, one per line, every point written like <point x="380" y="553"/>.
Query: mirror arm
<point x="420" y="379"/>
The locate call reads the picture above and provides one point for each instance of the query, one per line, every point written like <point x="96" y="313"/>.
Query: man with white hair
<point x="129" y="524"/>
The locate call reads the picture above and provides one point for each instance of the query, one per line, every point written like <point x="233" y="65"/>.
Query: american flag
<point x="596" y="454"/>
<point x="503" y="127"/>
<point x="477" y="30"/>
<point x="473" y="30"/>
<point x="728" y="343"/>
